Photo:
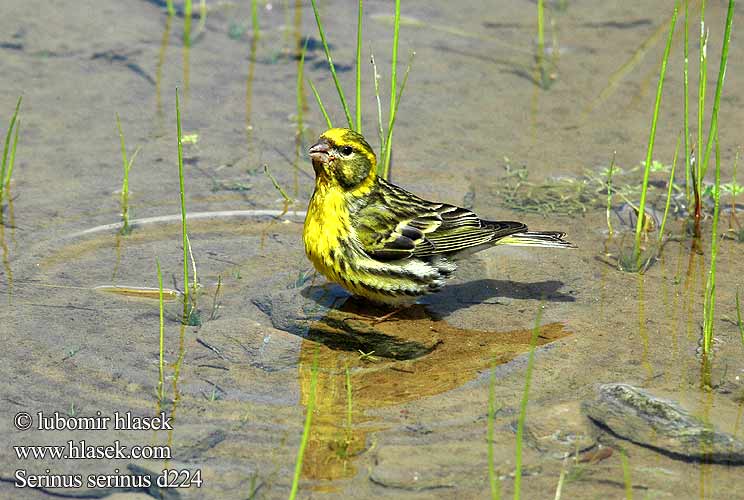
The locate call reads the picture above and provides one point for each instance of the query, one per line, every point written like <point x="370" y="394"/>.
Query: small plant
<point x="127" y="166"/>
<point x="6" y="170"/>
<point x="191" y="314"/>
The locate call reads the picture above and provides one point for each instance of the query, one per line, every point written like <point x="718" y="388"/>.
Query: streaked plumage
<point x="381" y="242"/>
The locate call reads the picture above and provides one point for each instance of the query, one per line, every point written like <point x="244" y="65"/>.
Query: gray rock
<point x="661" y="424"/>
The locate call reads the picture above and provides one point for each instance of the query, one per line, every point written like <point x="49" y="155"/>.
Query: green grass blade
<point x="187" y="10"/>
<point x="393" y="90"/>
<point x="184" y="233"/>
<point x="125" y="180"/>
<point x="523" y="406"/>
<point x="702" y="79"/>
<point x="320" y="104"/>
<point x="11" y="160"/>
<point x="713" y="131"/>
<point x="710" y="288"/>
<point x="380" y="132"/>
<point x="609" y="194"/>
<point x="6" y="146"/>
<point x="389" y="139"/>
<point x="493" y="479"/>
<point x="306" y="430"/>
<point x="331" y="66"/>
<point x="276" y="185"/>
<point x="669" y="193"/>
<point x="686" y="105"/>
<point x="254" y="19"/>
<point x="171" y="8"/>
<point x="651" y="139"/>
<point x="358" y="108"/>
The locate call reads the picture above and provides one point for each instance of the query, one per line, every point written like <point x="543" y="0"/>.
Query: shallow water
<point x="238" y="384"/>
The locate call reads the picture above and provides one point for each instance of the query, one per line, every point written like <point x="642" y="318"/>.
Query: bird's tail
<point x="551" y="239"/>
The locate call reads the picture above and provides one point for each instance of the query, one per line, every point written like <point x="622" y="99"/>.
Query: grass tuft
<point x="386" y="140"/>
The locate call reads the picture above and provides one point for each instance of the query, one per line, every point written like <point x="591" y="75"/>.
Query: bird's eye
<point x="346" y="150"/>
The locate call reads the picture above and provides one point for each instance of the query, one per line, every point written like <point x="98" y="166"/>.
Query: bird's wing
<point x="396" y="224"/>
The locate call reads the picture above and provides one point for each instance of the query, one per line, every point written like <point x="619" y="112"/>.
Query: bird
<point x="383" y="243"/>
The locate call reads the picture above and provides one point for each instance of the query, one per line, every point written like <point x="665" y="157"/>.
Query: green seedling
<point x="126" y="167"/>
<point x="6" y="170"/>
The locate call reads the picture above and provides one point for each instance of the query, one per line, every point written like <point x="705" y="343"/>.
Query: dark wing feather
<point x="395" y="224"/>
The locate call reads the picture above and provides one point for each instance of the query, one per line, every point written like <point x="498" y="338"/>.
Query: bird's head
<point x="343" y="157"/>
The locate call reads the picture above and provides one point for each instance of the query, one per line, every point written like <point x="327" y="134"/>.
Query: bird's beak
<point x="320" y="151"/>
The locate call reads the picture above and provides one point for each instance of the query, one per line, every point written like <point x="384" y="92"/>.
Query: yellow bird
<point x="383" y="243"/>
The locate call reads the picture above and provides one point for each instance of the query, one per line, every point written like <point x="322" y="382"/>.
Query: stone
<point x="661" y="424"/>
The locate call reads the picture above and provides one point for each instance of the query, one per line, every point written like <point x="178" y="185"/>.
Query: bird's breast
<point x="327" y="225"/>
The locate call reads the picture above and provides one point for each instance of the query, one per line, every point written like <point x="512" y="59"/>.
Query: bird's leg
<point x="387" y="316"/>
